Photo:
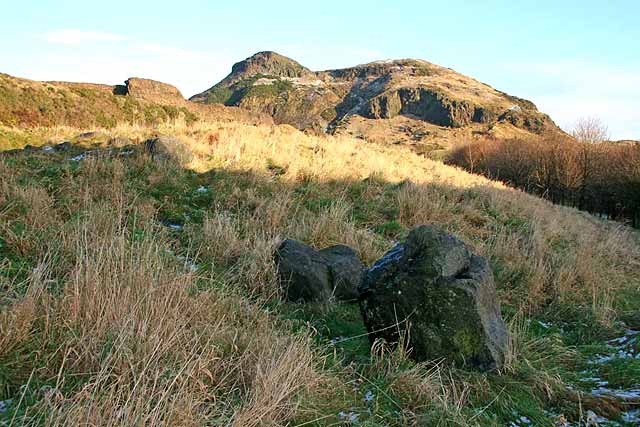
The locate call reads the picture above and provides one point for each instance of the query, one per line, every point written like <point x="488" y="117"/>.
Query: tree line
<point x="585" y="171"/>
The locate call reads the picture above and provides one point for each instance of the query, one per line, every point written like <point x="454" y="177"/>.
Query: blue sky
<point x="572" y="58"/>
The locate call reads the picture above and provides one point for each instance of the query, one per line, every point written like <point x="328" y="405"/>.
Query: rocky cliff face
<point x="151" y="90"/>
<point x="412" y="100"/>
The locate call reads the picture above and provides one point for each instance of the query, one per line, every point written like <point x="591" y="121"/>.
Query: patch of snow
<point x="594" y="419"/>
<point x="188" y="264"/>
<point x="622" y="394"/>
<point x="598" y="381"/>
<point x="4" y="405"/>
<point x="264" y="82"/>
<point x="89" y="153"/>
<point x="79" y="157"/>
<point x="520" y="421"/>
<point x="349" y="416"/>
<point x="631" y="416"/>
<point x="369" y="396"/>
<point x="336" y="340"/>
<point x="622" y="348"/>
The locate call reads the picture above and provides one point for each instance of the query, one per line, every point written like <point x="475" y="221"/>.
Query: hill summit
<point x="268" y="63"/>
<point x="405" y="100"/>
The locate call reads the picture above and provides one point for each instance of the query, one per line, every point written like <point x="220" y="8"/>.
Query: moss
<point x="269" y="90"/>
<point x="189" y="116"/>
<point x="467" y="342"/>
<point x="234" y="94"/>
<point x="218" y="95"/>
<point x="105" y="120"/>
<point x="171" y="111"/>
<point x="389" y="228"/>
<point x="85" y="93"/>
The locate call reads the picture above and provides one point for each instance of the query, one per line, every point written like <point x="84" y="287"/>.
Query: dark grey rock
<point x="63" y="146"/>
<point x="303" y="272"/>
<point x="346" y="271"/>
<point x="434" y="290"/>
<point x="5" y="405"/>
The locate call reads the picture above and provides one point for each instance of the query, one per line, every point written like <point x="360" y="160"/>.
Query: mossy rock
<point x="439" y="295"/>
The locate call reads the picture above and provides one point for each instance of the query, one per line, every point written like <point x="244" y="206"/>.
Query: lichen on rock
<point x="434" y="290"/>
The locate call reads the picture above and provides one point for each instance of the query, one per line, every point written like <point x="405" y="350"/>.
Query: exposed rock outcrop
<point x="443" y="297"/>
<point x="154" y="91"/>
<point x="428" y="105"/>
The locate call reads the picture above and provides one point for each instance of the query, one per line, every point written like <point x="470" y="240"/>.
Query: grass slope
<point x="26" y="105"/>
<point x="141" y="292"/>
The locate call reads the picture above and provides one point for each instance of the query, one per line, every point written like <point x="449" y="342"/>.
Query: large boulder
<point x="168" y="147"/>
<point x="346" y="271"/>
<point x="438" y="294"/>
<point x="303" y="272"/>
<point x="308" y="275"/>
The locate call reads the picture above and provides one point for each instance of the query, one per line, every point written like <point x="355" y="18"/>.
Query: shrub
<point x="603" y="179"/>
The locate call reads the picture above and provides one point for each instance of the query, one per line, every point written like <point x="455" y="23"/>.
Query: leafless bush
<point x="591" y="130"/>
<point x="603" y="178"/>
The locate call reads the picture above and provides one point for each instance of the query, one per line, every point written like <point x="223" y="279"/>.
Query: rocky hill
<point x="28" y="103"/>
<point x="404" y="100"/>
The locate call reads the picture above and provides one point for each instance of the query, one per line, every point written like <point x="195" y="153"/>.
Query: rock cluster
<point x="430" y="289"/>
<point x="434" y="290"/>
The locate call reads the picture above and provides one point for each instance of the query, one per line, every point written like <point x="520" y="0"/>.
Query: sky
<point x="572" y="58"/>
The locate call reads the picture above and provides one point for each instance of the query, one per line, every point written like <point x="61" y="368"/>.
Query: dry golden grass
<point x="129" y="336"/>
<point x="151" y="352"/>
<point x="521" y="231"/>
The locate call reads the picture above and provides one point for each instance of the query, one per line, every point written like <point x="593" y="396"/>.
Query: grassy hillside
<point x="141" y="292"/>
<point x="28" y="104"/>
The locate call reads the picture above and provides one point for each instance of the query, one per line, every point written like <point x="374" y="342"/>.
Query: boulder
<point x="346" y="271"/>
<point x="308" y="275"/>
<point x="63" y="146"/>
<point x="151" y="90"/>
<point x="303" y="272"/>
<point x="168" y="147"/>
<point x="436" y="292"/>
